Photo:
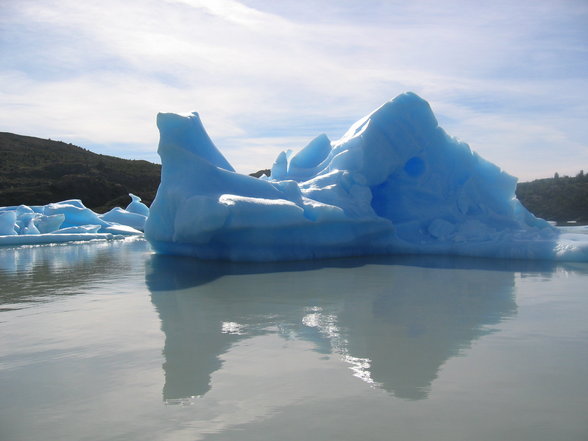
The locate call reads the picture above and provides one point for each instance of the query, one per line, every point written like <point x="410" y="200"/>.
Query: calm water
<point x="107" y="341"/>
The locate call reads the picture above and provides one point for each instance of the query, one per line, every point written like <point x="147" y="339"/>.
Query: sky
<point x="510" y="78"/>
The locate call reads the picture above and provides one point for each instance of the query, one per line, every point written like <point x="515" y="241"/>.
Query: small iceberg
<point x="69" y="221"/>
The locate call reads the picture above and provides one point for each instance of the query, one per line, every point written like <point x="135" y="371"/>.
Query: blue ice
<point x="69" y="221"/>
<point x="395" y="183"/>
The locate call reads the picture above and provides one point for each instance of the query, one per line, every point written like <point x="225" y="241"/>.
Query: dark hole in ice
<point x="414" y="166"/>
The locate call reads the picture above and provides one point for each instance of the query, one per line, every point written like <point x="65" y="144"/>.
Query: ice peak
<point x="188" y="133"/>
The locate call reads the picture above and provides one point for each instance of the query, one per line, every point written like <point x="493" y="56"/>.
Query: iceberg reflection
<point x="41" y="272"/>
<point x="393" y="321"/>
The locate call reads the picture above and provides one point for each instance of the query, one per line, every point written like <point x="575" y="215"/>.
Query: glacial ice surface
<point x="68" y="221"/>
<point x="395" y="183"/>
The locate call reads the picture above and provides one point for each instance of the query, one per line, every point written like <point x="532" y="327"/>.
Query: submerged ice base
<point x="395" y="183"/>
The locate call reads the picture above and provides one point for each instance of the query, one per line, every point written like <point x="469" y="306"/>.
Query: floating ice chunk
<point x="119" y="216"/>
<point x="24" y="209"/>
<point x="572" y="246"/>
<point x="62" y="222"/>
<point x="24" y="215"/>
<point x="394" y="183"/>
<point x="7" y="223"/>
<point x="30" y="228"/>
<point x="75" y="213"/>
<point x="136" y="206"/>
<point x="47" y="224"/>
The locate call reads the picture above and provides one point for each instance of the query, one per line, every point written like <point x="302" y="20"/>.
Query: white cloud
<point x="258" y="71"/>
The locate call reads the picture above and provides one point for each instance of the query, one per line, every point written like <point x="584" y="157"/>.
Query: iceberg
<point x="68" y="221"/>
<point x="125" y="217"/>
<point x="395" y="183"/>
<point x="137" y="207"/>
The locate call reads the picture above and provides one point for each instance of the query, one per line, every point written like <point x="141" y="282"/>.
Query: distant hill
<point x="557" y="199"/>
<point x="36" y="171"/>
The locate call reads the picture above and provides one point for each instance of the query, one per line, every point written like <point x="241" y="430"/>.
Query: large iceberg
<point x="395" y="183"/>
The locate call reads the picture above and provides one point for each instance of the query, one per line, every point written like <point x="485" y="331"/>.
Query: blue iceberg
<point x="68" y="221"/>
<point x="395" y="183"/>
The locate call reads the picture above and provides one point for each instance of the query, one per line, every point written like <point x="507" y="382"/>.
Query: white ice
<point x="394" y="183"/>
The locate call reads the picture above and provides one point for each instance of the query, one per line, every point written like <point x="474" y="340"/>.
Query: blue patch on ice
<point x="394" y="183"/>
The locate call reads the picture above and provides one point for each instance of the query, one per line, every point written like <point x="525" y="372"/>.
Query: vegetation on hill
<point x="557" y="199"/>
<point x="36" y="171"/>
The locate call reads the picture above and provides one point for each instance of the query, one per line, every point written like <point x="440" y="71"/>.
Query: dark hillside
<point x="558" y="199"/>
<point x="36" y="171"/>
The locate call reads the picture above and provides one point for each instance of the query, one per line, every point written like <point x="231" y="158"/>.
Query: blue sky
<point x="510" y="78"/>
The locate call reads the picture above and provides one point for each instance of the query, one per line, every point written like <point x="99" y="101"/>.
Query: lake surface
<point x="107" y="341"/>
